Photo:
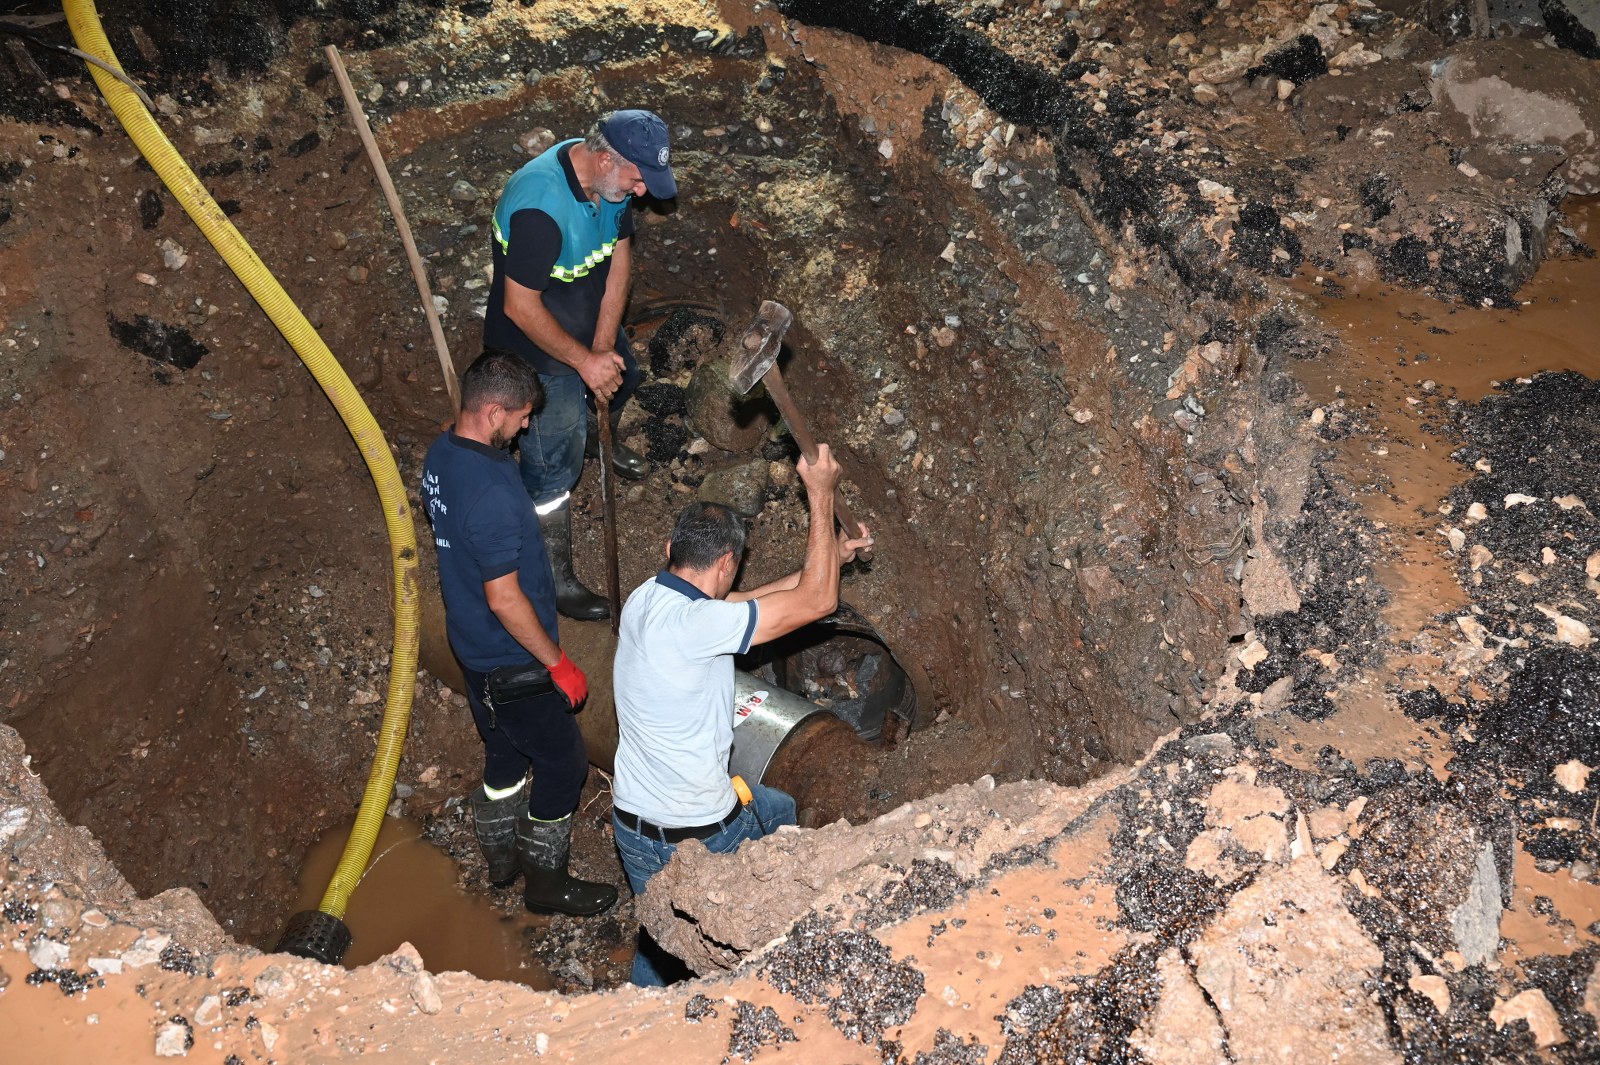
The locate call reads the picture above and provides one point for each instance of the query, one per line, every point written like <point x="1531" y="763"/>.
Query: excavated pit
<point x="948" y="392"/>
<point x="1070" y="377"/>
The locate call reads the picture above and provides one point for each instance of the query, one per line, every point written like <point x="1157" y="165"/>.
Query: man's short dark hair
<point x="501" y="377"/>
<point x="703" y="533"/>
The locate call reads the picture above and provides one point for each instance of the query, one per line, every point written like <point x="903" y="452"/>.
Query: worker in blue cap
<point x="563" y="253"/>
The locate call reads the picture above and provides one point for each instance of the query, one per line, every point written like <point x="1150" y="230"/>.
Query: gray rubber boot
<point x="494" y="822"/>
<point x="543" y="848"/>
<point x="573" y="600"/>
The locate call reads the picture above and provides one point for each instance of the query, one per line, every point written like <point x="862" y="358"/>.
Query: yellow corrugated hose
<point x="242" y="259"/>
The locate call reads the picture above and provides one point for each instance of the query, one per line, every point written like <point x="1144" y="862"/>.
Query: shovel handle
<point x="779" y="392"/>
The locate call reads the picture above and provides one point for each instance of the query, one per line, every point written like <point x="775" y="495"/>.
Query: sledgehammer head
<point x="758" y="346"/>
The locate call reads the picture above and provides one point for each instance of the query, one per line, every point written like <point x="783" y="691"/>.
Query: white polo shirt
<point x="673" y="685"/>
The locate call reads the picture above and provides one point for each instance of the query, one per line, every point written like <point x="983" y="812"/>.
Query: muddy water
<point x="1406" y="351"/>
<point x="1550" y="913"/>
<point x="409" y="894"/>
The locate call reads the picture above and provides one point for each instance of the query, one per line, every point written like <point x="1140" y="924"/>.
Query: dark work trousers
<point x="540" y="732"/>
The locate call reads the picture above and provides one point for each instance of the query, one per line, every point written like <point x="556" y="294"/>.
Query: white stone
<point x="209" y="1012"/>
<point x="425" y="993"/>
<point x="1517" y="499"/>
<point x="48" y="954"/>
<point x="1253" y="655"/>
<point x="1531" y="1006"/>
<point x="173" y="1039"/>
<point x="1472" y="629"/>
<point x="1568" y="630"/>
<point x="1573" y="775"/>
<point x="172" y="254"/>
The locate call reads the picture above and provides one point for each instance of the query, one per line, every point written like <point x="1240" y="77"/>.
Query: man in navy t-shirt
<point x="500" y="610"/>
<point x="563" y="253"/>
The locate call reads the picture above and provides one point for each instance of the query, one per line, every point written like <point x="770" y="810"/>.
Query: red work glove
<point x="570" y="679"/>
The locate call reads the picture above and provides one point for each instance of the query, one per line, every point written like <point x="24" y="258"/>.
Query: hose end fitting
<point x="316" y="935"/>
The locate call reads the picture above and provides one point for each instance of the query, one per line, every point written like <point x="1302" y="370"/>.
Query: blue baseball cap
<point x="640" y="137"/>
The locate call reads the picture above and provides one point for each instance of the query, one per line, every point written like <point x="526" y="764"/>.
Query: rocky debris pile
<point x="1527" y="549"/>
<point x="1322" y="629"/>
<point x="1351" y="135"/>
<point x="67" y="907"/>
<point x="922" y="854"/>
<point x="1234" y="875"/>
<point x="1524" y="537"/>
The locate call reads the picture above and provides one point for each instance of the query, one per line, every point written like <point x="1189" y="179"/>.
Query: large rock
<point x="1444" y="872"/>
<point x="742" y="487"/>
<point x="1285" y="966"/>
<point x="729" y="421"/>
<point x="1183" y="1028"/>
<point x="711" y="910"/>
<point x="1521" y="96"/>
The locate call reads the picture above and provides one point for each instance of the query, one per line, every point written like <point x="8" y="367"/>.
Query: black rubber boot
<point x="626" y="461"/>
<point x="494" y="822"/>
<point x="542" y="849"/>
<point x="573" y="600"/>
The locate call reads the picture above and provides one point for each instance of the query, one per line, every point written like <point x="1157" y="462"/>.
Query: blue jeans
<point x="645" y="856"/>
<point x="550" y="453"/>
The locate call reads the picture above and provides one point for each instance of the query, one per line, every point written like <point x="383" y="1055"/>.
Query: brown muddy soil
<point x="1168" y="460"/>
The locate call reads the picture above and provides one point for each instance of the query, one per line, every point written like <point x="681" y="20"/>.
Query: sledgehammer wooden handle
<point x="779" y="392"/>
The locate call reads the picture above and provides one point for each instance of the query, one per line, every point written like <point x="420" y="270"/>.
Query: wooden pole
<point x="608" y="503"/>
<point x="358" y="119"/>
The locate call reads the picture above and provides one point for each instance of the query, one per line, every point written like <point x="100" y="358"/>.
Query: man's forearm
<point x="782" y="584"/>
<point x="511" y="606"/>
<point x="820" y="573"/>
<point x="541" y="327"/>
<point x="609" y="321"/>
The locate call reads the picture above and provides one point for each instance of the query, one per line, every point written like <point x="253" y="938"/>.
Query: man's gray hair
<point x="596" y="141"/>
<point x="501" y="377"/>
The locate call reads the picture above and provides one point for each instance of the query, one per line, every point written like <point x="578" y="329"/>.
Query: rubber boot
<point x="626" y="461"/>
<point x="494" y="822"/>
<point x="573" y="600"/>
<point x="542" y="849"/>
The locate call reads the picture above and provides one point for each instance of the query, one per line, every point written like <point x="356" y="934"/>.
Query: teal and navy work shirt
<point x="550" y="237"/>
